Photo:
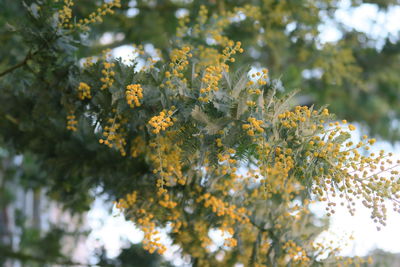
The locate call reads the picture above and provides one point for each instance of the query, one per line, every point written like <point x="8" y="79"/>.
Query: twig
<point x="22" y="63"/>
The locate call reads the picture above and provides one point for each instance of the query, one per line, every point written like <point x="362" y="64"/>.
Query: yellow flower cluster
<point x="97" y="15"/>
<point x="72" y="122"/>
<point x="228" y="163"/>
<point x="65" y="15"/>
<point x="253" y="126"/>
<point x="179" y="62"/>
<point x="347" y="174"/>
<point x="127" y="202"/>
<point x="216" y="33"/>
<point x="176" y="226"/>
<point x="295" y="252"/>
<point x="211" y="78"/>
<point x="167" y="202"/>
<point x="151" y="240"/>
<point x="162" y="121"/>
<point x="261" y="79"/>
<point x="221" y="208"/>
<point x="230" y="242"/>
<point x="356" y="261"/>
<point x="84" y="91"/>
<point x="352" y="127"/>
<point x="213" y="73"/>
<point x="134" y="93"/>
<point x="114" y="134"/>
<point x="108" y="75"/>
<point x="275" y="173"/>
<point x="219" y="142"/>
<point x="205" y="188"/>
<point x="291" y="119"/>
<point x="231" y="50"/>
<point x="210" y="57"/>
<point x="224" y="20"/>
<point x="166" y="158"/>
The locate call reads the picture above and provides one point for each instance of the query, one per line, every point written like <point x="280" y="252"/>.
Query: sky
<point x="113" y="231"/>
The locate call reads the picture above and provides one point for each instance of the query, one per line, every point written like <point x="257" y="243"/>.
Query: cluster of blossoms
<point x="166" y="202"/>
<point x="290" y="119"/>
<point x="230" y="50"/>
<point x="114" y="134"/>
<point x="198" y="183"/>
<point x="162" y="121"/>
<point x="179" y="62"/>
<point x="210" y="56"/>
<point x="254" y="126"/>
<point x="108" y="75"/>
<point x="128" y="201"/>
<point x="274" y="170"/>
<point x="134" y="93"/>
<point x="84" y="91"/>
<point x="228" y="163"/>
<point x="211" y="78"/>
<point x="65" y="15"/>
<point x="295" y="252"/>
<point x="224" y="209"/>
<point x="151" y="239"/>
<point x="216" y="32"/>
<point x="278" y="170"/>
<point x="72" y="122"/>
<point x="230" y="213"/>
<point x="96" y="16"/>
<point x="166" y="158"/>
<point x="213" y="73"/>
<point x="261" y="78"/>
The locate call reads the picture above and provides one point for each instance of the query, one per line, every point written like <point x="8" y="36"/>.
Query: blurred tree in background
<point x="41" y="74"/>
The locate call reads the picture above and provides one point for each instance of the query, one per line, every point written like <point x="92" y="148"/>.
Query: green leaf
<point x="342" y="137"/>
<point x="199" y="115"/>
<point x="242" y="105"/>
<point x="212" y="125"/>
<point x="240" y="85"/>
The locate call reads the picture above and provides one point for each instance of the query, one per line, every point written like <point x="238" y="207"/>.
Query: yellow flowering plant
<point x="201" y="145"/>
<point x="227" y="153"/>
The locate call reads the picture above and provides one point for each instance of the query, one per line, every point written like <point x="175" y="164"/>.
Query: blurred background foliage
<point x="357" y="76"/>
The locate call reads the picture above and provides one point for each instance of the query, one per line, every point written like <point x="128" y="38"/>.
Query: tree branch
<point x="16" y="66"/>
<point x="254" y="252"/>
